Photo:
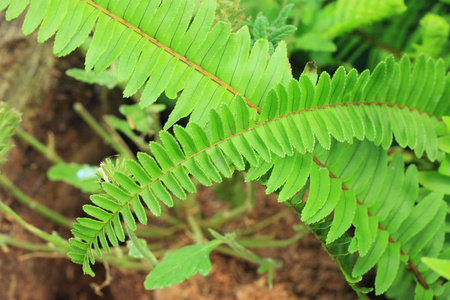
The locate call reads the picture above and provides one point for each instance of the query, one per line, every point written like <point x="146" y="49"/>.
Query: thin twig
<point x="108" y="279"/>
<point x="106" y="136"/>
<point x="34" y="205"/>
<point x="379" y="44"/>
<point x="49" y="152"/>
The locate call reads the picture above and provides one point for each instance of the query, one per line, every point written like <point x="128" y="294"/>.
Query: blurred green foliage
<point x="358" y="33"/>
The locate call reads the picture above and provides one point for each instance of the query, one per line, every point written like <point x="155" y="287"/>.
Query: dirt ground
<point x="307" y="272"/>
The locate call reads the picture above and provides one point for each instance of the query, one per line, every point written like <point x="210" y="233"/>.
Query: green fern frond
<point x="161" y="46"/>
<point x="321" y="146"/>
<point x="346" y="15"/>
<point x="305" y="139"/>
<point x="291" y="132"/>
<point x="392" y="222"/>
<point x="328" y="156"/>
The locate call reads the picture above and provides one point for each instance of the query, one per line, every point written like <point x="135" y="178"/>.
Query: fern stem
<point x="197" y="234"/>
<point x="137" y="140"/>
<point x="125" y="263"/>
<point x="48" y="152"/>
<point x="146" y="253"/>
<point x="33" y="204"/>
<point x="251" y="195"/>
<point x="263" y="243"/>
<point x="107" y="138"/>
<point x="266" y="222"/>
<point x="122" y="262"/>
<point x="6" y="239"/>
<point x="238" y="250"/>
<point x="224" y="217"/>
<point x="160" y="232"/>
<point x="54" y="239"/>
<point x="375" y="42"/>
<point x="58" y="245"/>
<point x="118" y="139"/>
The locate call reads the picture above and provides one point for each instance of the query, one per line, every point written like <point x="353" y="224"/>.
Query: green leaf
<point x="387" y="268"/>
<point x="280" y="33"/>
<point x="440" y="266"/>
<point x="323" y="90"/>
<point x="363" y="233"/>
<point x="330" y="204"/>
<point x="364" y="264"/>
<point x="35" y="15"/>
<point x="283" y="15"/>
<point x="343" y="216"/>
<point x="82" y="177"/>
<point x="260" y="27"/>
<point x="444" y="167"/>
<point x="280" y="174"/>
<point x="434" y="181"/>
<point x="295" y="183"/>
<point x="375" y="83"/>
<point x="420" y="216"/>
<point x="105" y="78"/>
<point x="134" y="251"/>
<point x="444" y="144"/>
<point x="315" y="42"/>
<point x="319" y="190"/>
<point x="421" y="293"/>
<point x="347" y="15"/>
<point x="15" y="9"/>
<point x="181" y="265"/>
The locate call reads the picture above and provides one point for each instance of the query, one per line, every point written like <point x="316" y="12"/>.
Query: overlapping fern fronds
<point x="299" y="141"/>
<point x="394" y="225"/>
<point x="161" y="46"/>
<point x="325" y="141"/>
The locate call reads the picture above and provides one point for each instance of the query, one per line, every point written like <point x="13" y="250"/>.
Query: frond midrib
<point x="170" y="51"/>
<point x="180" y="163"/>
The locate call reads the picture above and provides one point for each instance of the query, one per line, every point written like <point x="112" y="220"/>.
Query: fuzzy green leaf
<point x="181" y="265"/>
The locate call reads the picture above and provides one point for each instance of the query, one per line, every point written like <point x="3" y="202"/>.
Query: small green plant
<point x="322" y="143"/>
<point x="9" y="119"/>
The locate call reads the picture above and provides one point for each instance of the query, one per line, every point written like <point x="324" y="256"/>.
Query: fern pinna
<point x="321" y="146"/>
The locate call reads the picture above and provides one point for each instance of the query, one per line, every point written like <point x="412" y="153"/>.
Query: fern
<point x="401" y="34"/>
<point x="161" y="46"/>
<point x="300" y="140"/>
<point x="347" y="15"/>
<point x="340" y="17"/>
<point x="321" y="146"/>
<point x="386" y="231"/>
